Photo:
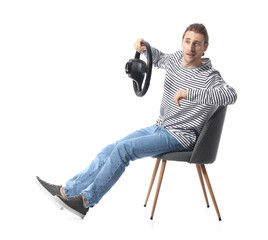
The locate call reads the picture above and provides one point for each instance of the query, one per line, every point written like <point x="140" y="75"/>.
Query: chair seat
<point x="176" y="156"/>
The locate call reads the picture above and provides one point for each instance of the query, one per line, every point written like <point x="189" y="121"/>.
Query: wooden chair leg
<point x="210" y="190"/>
<point x="163" y="166"/>
<point x="152" y="180"/>
<point x="202" y="183"/>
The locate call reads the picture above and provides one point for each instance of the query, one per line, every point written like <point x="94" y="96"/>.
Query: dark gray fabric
<point x="176" y="156"/>
<point x="206" y="147"/>
<point x="52" y="189"/>
<point x="73" y="204"/>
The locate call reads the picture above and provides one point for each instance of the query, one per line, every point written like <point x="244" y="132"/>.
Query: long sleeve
<point x="160" y="60"/>
<point x="218" y="94"/>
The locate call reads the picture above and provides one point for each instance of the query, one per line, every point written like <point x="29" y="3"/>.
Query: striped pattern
<point x="206" y="91"/>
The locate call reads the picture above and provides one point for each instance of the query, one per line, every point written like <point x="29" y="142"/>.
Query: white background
<point x="64" y="95"/>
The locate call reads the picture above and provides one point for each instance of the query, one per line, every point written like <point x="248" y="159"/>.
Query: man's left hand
<point x="179" y="95"/>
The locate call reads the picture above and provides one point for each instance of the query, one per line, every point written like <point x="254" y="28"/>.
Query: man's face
<point x="193" y="47"/>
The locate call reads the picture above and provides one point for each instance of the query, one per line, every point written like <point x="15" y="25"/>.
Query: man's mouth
<point x="190" y="54"/>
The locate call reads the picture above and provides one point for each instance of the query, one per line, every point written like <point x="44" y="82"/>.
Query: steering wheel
<point x="136" y="69"/>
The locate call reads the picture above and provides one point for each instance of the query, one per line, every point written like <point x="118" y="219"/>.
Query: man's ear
<point x="206" y="47"/>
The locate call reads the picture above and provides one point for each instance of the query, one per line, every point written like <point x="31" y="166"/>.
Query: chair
<point x="204" y="152"/>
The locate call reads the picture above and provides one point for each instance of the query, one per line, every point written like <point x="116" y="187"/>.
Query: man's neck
<point x="192" y="65"/>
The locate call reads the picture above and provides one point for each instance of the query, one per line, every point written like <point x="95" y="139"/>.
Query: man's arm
<point x="219" y="94"/>
<point x="160" y="59"/>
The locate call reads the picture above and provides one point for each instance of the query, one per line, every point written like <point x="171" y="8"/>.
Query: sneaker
<point x="73" y="204"/>
<point x="49" y="189"/>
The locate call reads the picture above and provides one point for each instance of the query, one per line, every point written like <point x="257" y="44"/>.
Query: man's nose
<point x="191" y="47"/>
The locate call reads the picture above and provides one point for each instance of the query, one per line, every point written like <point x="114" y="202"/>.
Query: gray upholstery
<point x="206" y="147"/>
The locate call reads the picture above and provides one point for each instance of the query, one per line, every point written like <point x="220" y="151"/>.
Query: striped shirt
<point x="206" y="91"/>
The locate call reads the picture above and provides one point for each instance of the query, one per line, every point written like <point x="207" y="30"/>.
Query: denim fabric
<point x="103" y="172"/>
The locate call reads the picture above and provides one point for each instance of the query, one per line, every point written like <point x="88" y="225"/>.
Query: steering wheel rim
<point x="142" y="69"/>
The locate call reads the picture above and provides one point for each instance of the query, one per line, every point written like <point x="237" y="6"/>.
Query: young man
<point x="192" y="90"/>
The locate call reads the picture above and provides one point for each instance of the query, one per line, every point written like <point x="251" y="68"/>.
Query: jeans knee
<point x="123" y="152"/>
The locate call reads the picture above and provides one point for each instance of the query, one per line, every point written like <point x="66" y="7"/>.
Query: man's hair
<point x="198" y="28"/>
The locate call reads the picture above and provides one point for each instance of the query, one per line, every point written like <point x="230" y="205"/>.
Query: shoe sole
<point x="64" y="205"/>
<point x="48" y="194"/>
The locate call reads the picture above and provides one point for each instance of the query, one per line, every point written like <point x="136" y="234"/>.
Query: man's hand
<point x="179" y="95"/>
<point x="138" y="47"/>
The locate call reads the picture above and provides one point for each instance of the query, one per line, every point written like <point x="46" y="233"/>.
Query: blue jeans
<point x="103" y="172"/>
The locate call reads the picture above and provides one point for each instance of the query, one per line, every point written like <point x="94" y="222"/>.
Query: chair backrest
<point x="206" y="147"/>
